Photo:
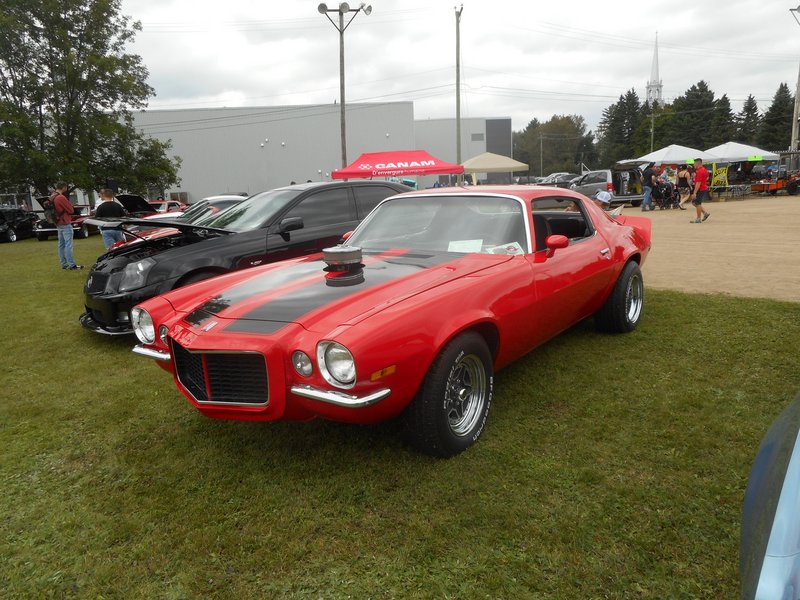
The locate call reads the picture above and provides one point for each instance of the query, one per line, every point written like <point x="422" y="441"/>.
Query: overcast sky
<point x="520" y="59"/>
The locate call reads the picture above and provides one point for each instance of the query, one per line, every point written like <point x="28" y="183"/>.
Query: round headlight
<point x="336" y="364"/>
<point x="302" y="363"/>
<point x="143" y="326"/>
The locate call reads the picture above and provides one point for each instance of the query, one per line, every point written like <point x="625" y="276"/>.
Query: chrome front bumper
<point x="340" y="398"/>
<point x="150" y="353"/>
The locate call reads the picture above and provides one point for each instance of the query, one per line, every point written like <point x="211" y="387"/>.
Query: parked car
<point x="623" y="181"/>
<point x="204" y="209"/>
<point x="165" y="206"/>
<point x="282" y="223"/>
<point x="558" y="179"/>
<point x="81" y="230"/>
<point x="16" y="223"/>
<point x="135" y="205"/>
<point x="412" y="315"/>
<point x="769" y="545"/>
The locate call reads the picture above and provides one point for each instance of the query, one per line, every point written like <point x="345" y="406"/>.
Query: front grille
<point x="222" y="378"/>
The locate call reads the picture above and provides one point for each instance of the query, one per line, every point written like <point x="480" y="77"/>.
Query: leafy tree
<point x="67" y="86"/>
<point x="559" y="144"/>
<point x="776" y="126"/>
<point x="693" y="113"/>
<point x="748" y="122"/>
<point x="615" y="133"/>
<point x="723" y="124"/>
<point x="658" y="117"/>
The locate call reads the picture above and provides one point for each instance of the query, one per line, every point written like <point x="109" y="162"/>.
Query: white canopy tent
<point x="489" y="162"/>
<point x="731" y="152"/>
<point x="675" y="154"/>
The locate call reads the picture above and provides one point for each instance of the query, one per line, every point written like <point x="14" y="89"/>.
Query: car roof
<point x="524" y="192"/>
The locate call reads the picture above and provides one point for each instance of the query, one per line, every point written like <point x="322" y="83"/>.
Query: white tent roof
<point x="736" y="152"/>
<point x="493" y="163"/>
<point x="675" y="154"/>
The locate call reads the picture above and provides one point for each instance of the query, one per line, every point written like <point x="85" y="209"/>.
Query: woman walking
<point x="684" y="185"/>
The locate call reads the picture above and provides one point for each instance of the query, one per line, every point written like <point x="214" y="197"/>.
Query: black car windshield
<point x="194" y="212"/>
<point x="254" y="212"/>
<point x="486" y="224"/>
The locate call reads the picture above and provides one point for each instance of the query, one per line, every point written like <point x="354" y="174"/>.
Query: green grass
<point x="611" y="467"/>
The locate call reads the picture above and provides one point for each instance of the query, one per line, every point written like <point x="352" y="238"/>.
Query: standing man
<point x="700" y="192"/>
<point x="648" y="182"/>
<point x="108" y="208"/>
<point x="64" y="211"/>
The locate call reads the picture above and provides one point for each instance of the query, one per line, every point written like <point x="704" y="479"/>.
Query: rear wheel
<point x="791" y="189"/>
<point x="83" y="232"/>
<point x="450" y="409"/>
<point x="623" y="309"/>
<point x="636" y="203"/>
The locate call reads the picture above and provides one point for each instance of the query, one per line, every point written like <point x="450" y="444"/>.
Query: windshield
<point x="254" y="212"/>
<point x="461" y="224"/>
<point x="195" y="211"/>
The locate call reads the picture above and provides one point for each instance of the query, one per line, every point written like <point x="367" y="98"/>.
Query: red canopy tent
<point x="395" y="164"/>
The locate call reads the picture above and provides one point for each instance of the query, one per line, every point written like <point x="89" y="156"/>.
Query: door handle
<point x="605" y="251"/>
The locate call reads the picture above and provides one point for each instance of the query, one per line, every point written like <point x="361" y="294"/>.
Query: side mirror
<point x="290" y="224"/>
<point x="555" y="242"/>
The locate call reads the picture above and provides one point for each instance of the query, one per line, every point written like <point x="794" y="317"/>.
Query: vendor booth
<point x="398" y="163"/>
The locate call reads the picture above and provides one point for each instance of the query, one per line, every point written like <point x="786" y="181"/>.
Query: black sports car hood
<point x="303" y="292"/>
<point x="111" y="223"/>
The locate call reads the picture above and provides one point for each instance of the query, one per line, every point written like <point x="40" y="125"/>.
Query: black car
<point x="271" y="226"/>
<point x="16" y="223"/>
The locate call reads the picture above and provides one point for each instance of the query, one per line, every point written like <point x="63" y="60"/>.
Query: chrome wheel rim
<point x="466" y="394"/>
<point x="12" y="235"/>
<point x="634" y="298"/>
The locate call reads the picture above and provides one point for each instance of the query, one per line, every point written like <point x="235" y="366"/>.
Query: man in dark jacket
<point x="648" y="183"/>
<point x="109" y="208"/>
<point x="64" y="211"/>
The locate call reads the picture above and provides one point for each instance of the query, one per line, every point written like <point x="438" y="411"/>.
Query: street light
<point x="341" y="10"/>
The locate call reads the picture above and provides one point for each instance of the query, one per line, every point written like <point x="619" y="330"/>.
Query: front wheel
<point x="11" y="235"/>
<point x="635" y="203"/>
<point x="450" y="409"/>
<point x="623" y="309"/>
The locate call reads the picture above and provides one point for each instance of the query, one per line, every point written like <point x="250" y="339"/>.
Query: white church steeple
<point x="654" y="85"/>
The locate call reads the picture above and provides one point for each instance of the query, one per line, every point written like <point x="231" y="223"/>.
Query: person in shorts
<point x="700" y="192"/>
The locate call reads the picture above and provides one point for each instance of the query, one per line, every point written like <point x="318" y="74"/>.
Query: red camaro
<point x="434" y="292"/>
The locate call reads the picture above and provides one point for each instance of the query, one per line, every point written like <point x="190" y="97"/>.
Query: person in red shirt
<point x="700" y="192"/>
<point x="64" y="211"/>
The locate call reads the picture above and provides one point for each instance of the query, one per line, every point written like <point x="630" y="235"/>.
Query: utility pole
<point x="458" y="88"/>
<point x="795" y="125"/>
<point x="343" y="8"/>
<point x="652" y="125"/>
<point x="541" y="169"/>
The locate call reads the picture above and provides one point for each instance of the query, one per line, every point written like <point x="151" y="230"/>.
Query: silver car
<point x="623" y="181"/>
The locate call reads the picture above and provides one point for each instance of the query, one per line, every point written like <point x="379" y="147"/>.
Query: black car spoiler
<point x="119" y="223"/>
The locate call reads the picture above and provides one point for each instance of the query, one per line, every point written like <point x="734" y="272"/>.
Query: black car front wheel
<point x="11" y="235"/>
<point x="449" y="411"/>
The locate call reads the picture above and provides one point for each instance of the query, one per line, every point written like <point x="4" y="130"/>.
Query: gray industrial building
<point x="247" y="150"/>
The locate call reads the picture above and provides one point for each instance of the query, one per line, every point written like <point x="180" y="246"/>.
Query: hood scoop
<point x="344" y="266"/>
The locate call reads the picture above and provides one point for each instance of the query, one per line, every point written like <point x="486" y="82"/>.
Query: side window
<point x="368" y="197"/>
<point x="559" y="215"/>
<point x="327" y="207"/>
<point x="599" y="177"/>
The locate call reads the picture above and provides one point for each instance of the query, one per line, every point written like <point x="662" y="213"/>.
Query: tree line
<point x="67" y="89"/>
<point x="630" y="128"/>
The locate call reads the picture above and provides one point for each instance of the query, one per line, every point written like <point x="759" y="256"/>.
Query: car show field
<point x="613" y="466"/>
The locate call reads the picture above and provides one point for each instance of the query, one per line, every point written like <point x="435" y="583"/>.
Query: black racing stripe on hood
<point x="295" y="304"/>
<point x="252" y="287"/>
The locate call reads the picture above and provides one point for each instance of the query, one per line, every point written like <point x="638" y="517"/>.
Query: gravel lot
<point x="748" y="247"/>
